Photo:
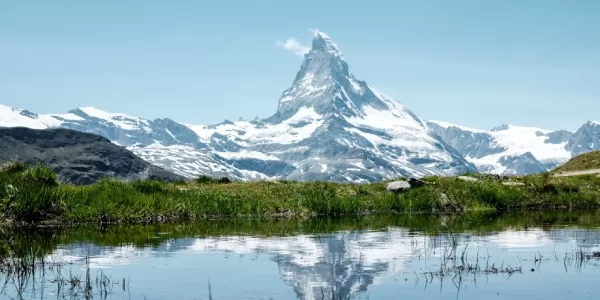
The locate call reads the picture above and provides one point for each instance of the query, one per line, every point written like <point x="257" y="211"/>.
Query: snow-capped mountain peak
<point x="323" y="43"/>
<point x="325" y="83"/>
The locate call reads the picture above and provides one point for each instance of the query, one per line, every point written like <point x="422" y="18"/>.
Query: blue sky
<point x="475" y="63"/>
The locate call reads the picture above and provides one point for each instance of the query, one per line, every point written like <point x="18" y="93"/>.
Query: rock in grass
<point x="513" y="183"/>
<point x="398" y="186"/>
<point x="11" y="191"/>
<point x="444" y="200"/>
<point x="415" y="183"/>
<point x="467" y="178"/>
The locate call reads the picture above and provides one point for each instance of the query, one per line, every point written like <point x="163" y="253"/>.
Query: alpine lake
<point x="545" y="255"/>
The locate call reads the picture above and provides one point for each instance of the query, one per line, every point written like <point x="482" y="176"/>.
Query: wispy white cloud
<point x="294" y="46"/>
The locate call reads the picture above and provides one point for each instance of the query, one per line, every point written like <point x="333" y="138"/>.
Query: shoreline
<point x="31" y="196"/>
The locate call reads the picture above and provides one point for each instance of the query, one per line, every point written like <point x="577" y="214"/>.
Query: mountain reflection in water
<point x="351" y="261"/>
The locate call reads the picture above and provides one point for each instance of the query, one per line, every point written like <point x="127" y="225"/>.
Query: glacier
<point x="517" y="150"/>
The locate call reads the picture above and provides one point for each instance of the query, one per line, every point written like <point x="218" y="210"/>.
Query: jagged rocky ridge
<point x="328" y="126"/>
<point x="76" y="157"/>
<point x="515" y="150"/>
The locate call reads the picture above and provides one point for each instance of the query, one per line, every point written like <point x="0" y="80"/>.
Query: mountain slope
<point x="585" y="139"/>
<point x="582" y="162"/>
<point x="76" y="157"/>
<point x="509" y="149"/>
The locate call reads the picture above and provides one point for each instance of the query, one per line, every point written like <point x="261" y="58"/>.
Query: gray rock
<point x="513" y="183"/>
<point x="522" y="164"/>
<point x="558" y="137"/>
<point x="444" y="199"/>
<point x="467" y="178"/>
<point x="585" y="139"/>
<point x="76" y="157"/>
<point x="467" y="143"/>
<point x="398" y="186"/>
<point x="11" y="191"/>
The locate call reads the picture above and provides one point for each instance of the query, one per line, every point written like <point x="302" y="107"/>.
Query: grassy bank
<point x="32" y="195"/>
<point x="586" y="161"/>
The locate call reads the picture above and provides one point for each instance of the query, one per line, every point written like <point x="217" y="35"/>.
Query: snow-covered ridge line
<point x="448" y="125"/>
<point x="100" y="114"/>
<point x="12" y="117"/>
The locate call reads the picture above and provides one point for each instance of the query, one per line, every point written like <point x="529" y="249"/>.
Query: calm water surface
<point x="524" y="256"/>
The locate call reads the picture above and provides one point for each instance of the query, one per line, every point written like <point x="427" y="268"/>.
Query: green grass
<point x="31" y="195"/>
<point x="586" y="161"/>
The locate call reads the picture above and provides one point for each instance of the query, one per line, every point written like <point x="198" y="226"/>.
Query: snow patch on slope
<point x="295" y="129"/>
<point x="183" y="160"/>
<point x="100" y="114"/>
<point x="246" y="154"/>
<point x="67" y="116"/>
<point x="449" y="125"/>
<point x="519" y="140"/>
<point x="404" y="129"/>
<point x="13" y="117"/>
<point x="512" y="141"/>
<point x="122" y="121"/>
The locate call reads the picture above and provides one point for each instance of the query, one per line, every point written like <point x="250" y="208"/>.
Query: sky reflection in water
<point x="385" y="263"/>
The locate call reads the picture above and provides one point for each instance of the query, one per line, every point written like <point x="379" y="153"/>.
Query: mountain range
<point x="329" y="125"/>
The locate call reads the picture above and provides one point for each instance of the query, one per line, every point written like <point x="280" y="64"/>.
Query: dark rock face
<point x="522" y="164"/>
<point x="467" y="143"/>
<point x="558" y="137"/>
<point x="76" y="157"/>
<point x="585" y="139"/>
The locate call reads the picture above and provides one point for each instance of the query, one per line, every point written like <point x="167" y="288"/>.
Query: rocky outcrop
<point x="76" y="157"/>
<point x="585" y="139"/>
<point x="397" y="186"/>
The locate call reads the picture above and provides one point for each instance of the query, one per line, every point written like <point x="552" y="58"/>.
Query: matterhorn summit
<point x="325" y="84"/>
<point x="356" y="132"/>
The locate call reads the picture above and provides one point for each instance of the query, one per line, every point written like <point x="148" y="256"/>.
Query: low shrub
<point x="204" y="179"/>
<point x="31" y="195"/>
